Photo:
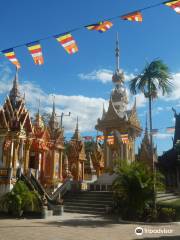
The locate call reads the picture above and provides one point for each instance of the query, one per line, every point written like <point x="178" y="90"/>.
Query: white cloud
<point x="175" y="94"/>
<point x="103" y="75"/>
<point x="87" y="109"/>
<point x="163" y="135"/>
<point x="140" y="100"/>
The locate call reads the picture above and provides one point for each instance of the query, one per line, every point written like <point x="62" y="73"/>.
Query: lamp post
<point x="63" y="115"/>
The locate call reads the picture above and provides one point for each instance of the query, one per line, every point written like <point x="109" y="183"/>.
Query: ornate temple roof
<point x="169" y="159"/>
<point x="144" y="152"/>
<point x="13" y="115"/>
<point x="77" y="135"/>
<point x="117" y="115"/>
<point x="177" y="127"/>
<point x="53" y="122"/>
<point x="39" y="125"/>
<point x="55" y="130"/>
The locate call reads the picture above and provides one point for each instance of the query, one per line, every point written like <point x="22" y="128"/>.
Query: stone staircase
<point x="89" y="202"/>
<point x="167" y="197"/>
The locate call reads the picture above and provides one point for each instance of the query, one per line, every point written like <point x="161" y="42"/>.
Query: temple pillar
<point x="21" y="154"/>
<point x="1" y="152"/>
<point x="11" y="163"/>
<point x="77" y="172"/>
<point x="60" y="164"/>
<point x="121" y="151"/>
<point x="83" y="170"/>
<point x="126" y="152"/>
<point x="26" y="156"/>
<point x="105" y="152"/>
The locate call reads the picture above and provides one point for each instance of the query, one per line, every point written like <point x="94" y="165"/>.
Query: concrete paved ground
<point x="81" y="227"/>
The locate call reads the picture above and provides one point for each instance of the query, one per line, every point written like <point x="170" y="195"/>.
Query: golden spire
<point x="14" y="93"/>
<point x="53" y="123"/>
<point x="118" y="76"/>
<point x="39" y="123"/>
<point x="117" y="52"/>
<point x="77" y="135"/>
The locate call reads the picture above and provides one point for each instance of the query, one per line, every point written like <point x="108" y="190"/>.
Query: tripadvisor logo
<point x="139" y="231"/>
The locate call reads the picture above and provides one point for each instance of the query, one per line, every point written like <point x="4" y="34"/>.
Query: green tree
<point x="133" y="189"/>
<point x="154" y="77"/>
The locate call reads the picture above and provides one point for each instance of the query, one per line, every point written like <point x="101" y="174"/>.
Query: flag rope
<point x="83" y="26"/>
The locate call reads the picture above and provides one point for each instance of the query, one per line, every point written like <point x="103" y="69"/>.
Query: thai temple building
<point x="169" y="162"/>
<point x="145" y="152"/>
<point x="26" y="146"/>
<point x="118" y="122"/>
<point x="76" y="155"/>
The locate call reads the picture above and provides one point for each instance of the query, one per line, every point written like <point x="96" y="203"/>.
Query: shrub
<point x="20" y="200"/>
<point x="167" y="214"/>
<point x="133" y="189"/>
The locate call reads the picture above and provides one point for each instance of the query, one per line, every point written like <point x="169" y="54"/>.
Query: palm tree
<point x="154" y="77"/>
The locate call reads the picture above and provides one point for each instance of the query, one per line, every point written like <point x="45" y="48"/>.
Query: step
<point x="88" y="196"/>
<point x="87" y="204"/>
<point x="84" y="207"/>
<point x="84" y="212"/>
<point x="165" y="195"/>
<point x="168" y="199"/>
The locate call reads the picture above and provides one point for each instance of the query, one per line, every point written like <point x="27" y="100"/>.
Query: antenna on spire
<point x="77" y="124"/>
<point x="39" y="103"/>
<point x="53" y="100"/>
<point x="117" y="51"/>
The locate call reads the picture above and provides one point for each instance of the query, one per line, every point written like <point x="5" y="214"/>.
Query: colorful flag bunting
<point x="101" y="26"/>
<point x="110" y="141"/>
<point x="10" y="54"/>
<point x="88" y="138"/>
<point x="100" y="138"/>
<point x="68" y="43"/>
<point x="36" y="52"/>
<point x="124" y="138"/>
<point x="135" y="16"/>
<point x="170" y="129"/>
<point x="175" y="5"/>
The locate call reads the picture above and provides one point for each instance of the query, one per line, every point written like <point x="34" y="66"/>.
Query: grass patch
<point x="172" y="204"/>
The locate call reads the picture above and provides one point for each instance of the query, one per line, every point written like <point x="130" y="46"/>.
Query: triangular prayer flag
<point x="135" y="16"/>
<point x="175" y="5"/>
<point x="68" y="42"/>
<point x="101" y="26"/>
<point x="170" y="129"/>
<point x="100" y="138"/>
<point x="124" y="138"/>
<point x="88" y="138"/>
<point x="110" y="141"/>
<point x="10" y="54"/>
<point x="36" y="52"/>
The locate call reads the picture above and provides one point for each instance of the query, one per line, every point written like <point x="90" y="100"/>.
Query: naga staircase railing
<point x="34" y="184"/>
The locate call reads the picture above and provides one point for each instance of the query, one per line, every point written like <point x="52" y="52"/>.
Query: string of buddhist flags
<point x="124" y="137"/>
<point x="69" y="44"/>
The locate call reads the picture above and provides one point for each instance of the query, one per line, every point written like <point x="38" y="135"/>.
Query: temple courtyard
<point x="82" y="226"/>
